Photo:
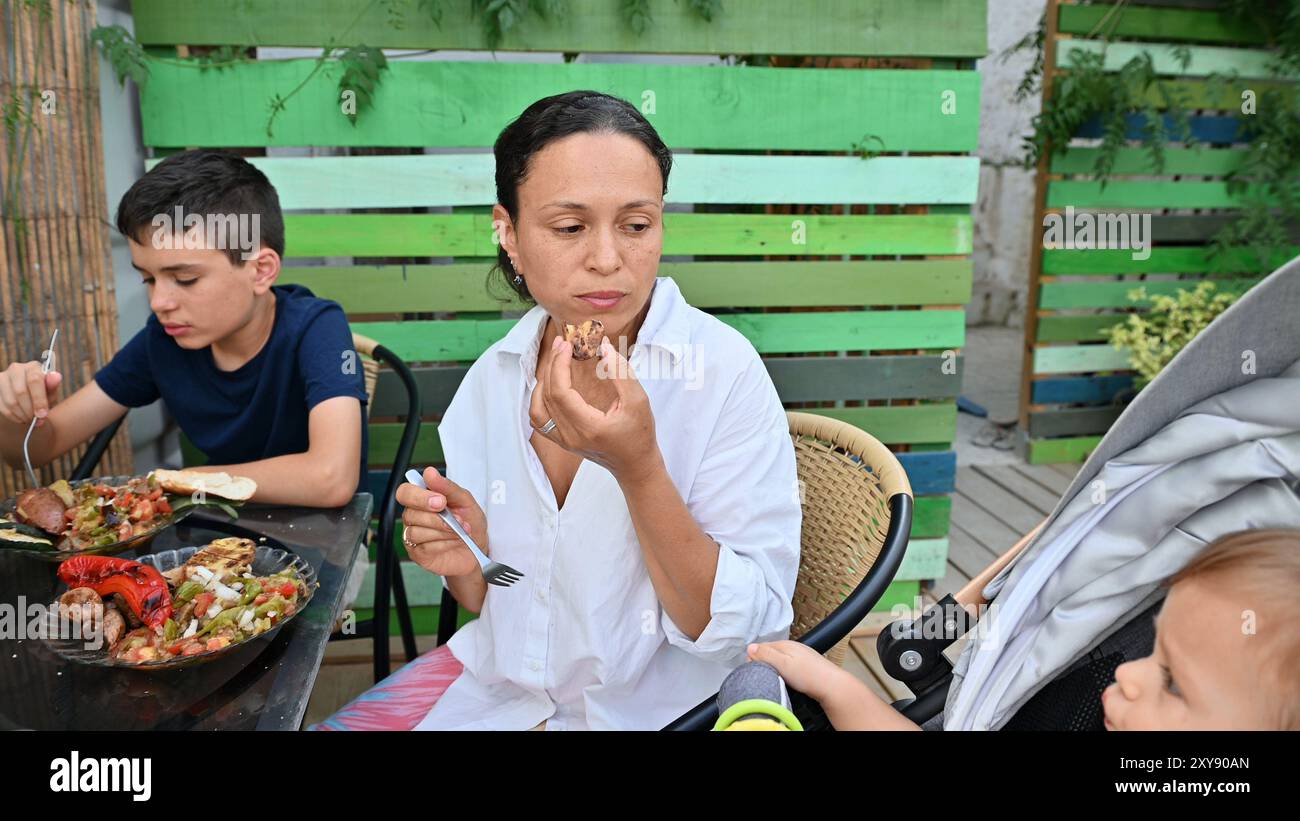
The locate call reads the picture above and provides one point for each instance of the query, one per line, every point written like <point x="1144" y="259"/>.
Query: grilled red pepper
<point x="143" y="587"/>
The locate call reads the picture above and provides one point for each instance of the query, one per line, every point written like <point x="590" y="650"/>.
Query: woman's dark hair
<point x="553" y="118"/>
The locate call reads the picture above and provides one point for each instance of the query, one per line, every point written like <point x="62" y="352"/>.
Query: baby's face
<point x="1204" y="673"/>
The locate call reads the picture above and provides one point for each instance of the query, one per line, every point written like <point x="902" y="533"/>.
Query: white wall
<point x="1005" y="211"/>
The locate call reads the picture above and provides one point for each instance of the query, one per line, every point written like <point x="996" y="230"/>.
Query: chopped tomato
<point x="142" y="511"/>
<point x="105" y="491"/>
<point x="261" y="598"/>
<point x="288" y="609"/>
<point x="192" y="649"/>
<point x="155" y="494"/>
<point x="71" y="513"/>
<point x="124" y="530"/>
<point x="288" y="589"/>
<point x="218" y="643"/>
<point x="202" y="602"/>
<point x="163" y="507"/>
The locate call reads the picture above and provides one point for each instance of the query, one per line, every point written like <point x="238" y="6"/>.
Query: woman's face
<point x="590" y="230"/>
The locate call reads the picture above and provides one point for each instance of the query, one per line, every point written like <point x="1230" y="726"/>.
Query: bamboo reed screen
<point x="55" y="266"/>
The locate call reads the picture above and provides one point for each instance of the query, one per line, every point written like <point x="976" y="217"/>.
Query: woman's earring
<point x="519" y="280"/>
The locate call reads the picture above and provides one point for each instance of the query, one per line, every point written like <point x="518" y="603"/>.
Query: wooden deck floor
<point x="993" y="506"/>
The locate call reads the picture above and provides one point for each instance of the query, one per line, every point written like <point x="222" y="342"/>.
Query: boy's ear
<point x="266" y="269"/>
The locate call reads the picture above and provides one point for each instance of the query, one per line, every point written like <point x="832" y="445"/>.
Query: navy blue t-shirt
<point x="260" y="409"/>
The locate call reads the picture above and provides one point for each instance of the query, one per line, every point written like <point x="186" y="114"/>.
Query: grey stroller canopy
<point x="1210" y="447"/>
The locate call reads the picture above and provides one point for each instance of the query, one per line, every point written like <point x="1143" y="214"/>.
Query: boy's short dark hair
<point x="206" y="182"/>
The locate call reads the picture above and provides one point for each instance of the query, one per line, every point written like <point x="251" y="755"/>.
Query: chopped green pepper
<point x="277" y="604"/>
<point x="225" y="617"/>
<point x="187" y="591"/>
<point x="251" y="591"/>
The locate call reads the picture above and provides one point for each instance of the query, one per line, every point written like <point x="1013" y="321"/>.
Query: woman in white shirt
<point x="656" y="520"/>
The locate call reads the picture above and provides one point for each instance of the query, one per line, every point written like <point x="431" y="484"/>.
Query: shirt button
<point x="534" y="665"/>
<point x="541" y="595"/>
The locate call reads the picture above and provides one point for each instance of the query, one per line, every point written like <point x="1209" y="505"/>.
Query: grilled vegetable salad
<point x="211" y="602"/>
<point x="94" y="515"/>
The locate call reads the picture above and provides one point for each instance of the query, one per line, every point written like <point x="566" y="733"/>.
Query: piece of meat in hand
<point x="585" y="338"/>
<point x="41" y="507"/>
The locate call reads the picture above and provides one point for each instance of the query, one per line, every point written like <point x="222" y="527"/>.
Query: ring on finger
<point x="547" y="428"/>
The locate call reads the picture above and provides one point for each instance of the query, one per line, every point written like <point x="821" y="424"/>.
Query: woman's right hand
<point x="431" y="543"/>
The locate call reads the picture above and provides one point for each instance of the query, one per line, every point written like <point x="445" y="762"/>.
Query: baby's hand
<point x="803" y="668"/>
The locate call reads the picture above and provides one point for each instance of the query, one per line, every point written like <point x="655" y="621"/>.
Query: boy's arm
<point x="67" y="424"/>
<point x="323" y="476"/>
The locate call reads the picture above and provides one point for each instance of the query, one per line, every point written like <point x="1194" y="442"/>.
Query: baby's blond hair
<point x="1264" y="566"/>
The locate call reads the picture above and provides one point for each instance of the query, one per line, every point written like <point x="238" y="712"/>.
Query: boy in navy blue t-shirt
<point x="262" y="378"/>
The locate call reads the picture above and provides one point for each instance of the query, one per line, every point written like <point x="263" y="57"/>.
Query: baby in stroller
<point x="1226" y="656"/>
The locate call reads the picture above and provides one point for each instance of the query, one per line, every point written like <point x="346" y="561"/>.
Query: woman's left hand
<point x="621" y="439"/>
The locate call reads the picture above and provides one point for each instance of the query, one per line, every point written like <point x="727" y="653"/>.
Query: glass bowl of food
<point x="177" y="607"/>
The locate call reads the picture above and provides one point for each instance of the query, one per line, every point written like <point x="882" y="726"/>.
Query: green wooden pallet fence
<point x="864" y="322"/>
<point x="1072" y="375"/>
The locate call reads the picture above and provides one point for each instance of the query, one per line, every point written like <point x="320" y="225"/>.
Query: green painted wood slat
<point x="1205" y="60"/>
<point x="430" y="104"/>
<point x="1194" y="25"/>
<point x="375" y="289"/>
<point x="1070" y="449"/>
<point x="1066" y="294"/>
<point x="1204" y="162"/>
<point x="455" y="340"/>
<point x="470" y="235"/>
<point x="1078" y="359"/>
<point x="892" y="425"/>
<point x="797" y="379"/>
<point x="431" y="180"/>
<point x="1198" y="260"/>
<point x="877" y="28"/>
<point x="1148" y="194"/>
<point x="1072" y="421"/>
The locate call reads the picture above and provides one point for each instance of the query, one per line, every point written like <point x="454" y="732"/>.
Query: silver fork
<point x="47" y="365"/>
<point x="502" y="575"/>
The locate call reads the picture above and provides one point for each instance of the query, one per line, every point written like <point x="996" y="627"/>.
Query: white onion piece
<point x="192" y="629"/>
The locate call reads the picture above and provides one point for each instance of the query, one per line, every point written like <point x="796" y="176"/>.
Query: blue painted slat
<point x="1204" y="128"/>
<point x="930" y="472"/>
<point x="1084" y="389"/>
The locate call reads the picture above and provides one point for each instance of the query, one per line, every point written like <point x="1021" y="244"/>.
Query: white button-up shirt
<point x="582" y="641"/>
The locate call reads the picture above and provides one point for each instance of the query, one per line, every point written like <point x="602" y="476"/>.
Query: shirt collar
<point x="666" y="325"/>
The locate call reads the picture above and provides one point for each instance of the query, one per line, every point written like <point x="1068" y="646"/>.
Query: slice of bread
<point x="219" y="483"/>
